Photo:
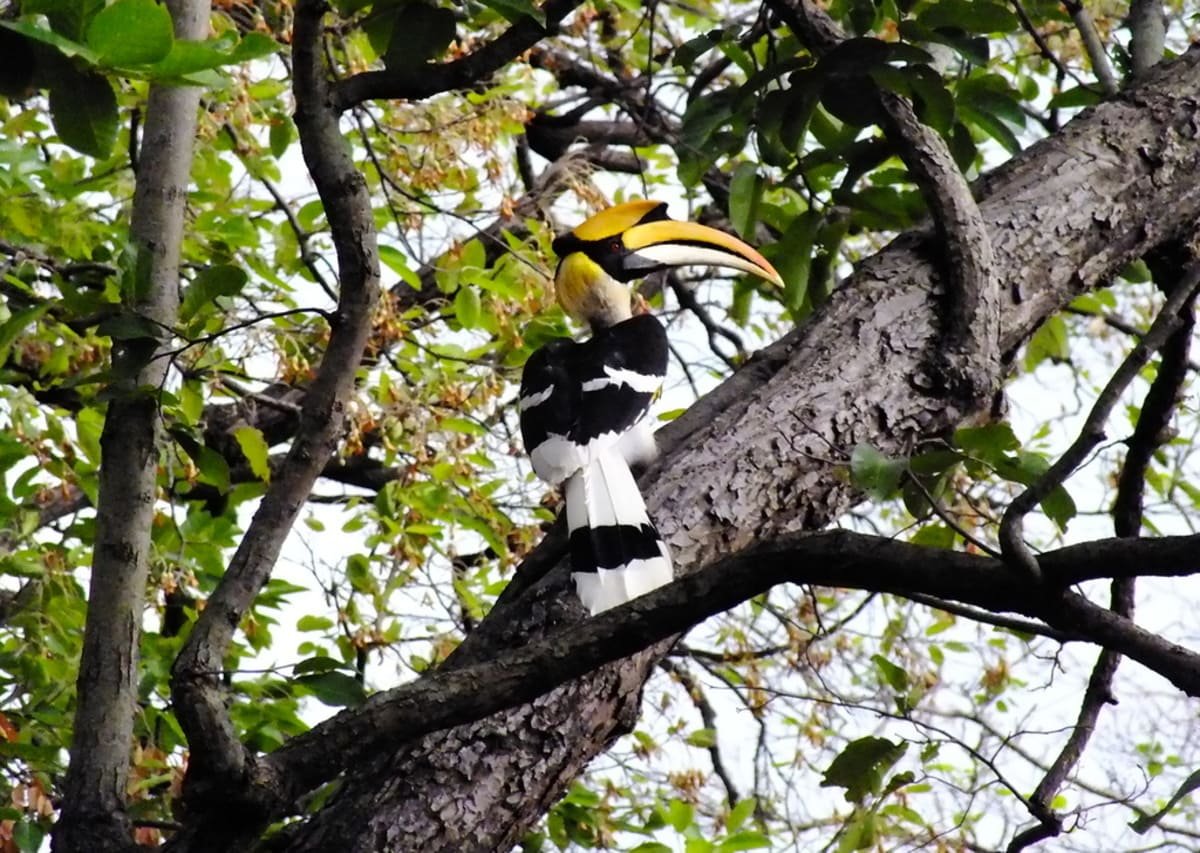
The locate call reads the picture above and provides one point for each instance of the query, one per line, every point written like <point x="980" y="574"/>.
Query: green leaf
<point x="191" y="401"/>
<point x="66" y="46"/>
<point x="1059" y="507"/>
<point x="317" y="663"/>
<point x="740" y="813"/>
<point x="974" y="16"/>
<point x="336" y="689"/>
<point x="467" y="307"/>
<point x="745" y="192"/>
<point x="1050" y="341"/>
<point x="990" y="125"/>
<point x="703" y="738"/>
<point x="209" y="283"/>
<point x="873" y="472"/>
<point x="793" y="256"/>
<point x="934" y="103"/>
<point x="67" y="17"/>
<point x="213" y="468"/>
<point x="894" y="676"/>
<point x="688" y="52"/>
<point x="254" y="448"/>
<point x="129" y="326"/>
<point x="680" y="814"/>
<point x="280" y="136"/>
<point x="859" y="768"/>
<point x="989" y="443"/>
<point x="1079" y="96"/>
<point x="83" y="108"/>
<point x="859" y="833"/>
<point x="89" y="425"/>
<point x="192" y="57"/>
<point x="358" y="572"/>
<point x="28" y="836"/>
<point x="934" y="536"/>
<point x="313" y="623"/>
<point x="397" y="262"/>
<point x="131" y="32"/>
<point x="253" y="46"/>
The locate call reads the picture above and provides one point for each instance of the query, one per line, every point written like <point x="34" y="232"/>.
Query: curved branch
<point x="456" y="696"/>
<point x="218" y="759"/>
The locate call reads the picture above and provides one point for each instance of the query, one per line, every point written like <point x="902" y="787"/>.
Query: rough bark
<point x="93" y="818"/>
<point x="765" y="454"/>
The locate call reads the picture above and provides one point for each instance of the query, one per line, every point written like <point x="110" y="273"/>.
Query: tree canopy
<point x="275" y="574"/>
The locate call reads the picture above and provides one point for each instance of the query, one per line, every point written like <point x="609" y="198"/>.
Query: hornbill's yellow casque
<point x="582" y="404"/>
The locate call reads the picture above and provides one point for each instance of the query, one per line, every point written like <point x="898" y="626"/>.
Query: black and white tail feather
<point x="617" y="553"/>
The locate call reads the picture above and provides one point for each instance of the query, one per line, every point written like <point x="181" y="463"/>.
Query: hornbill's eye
<point x="615" y="246"/>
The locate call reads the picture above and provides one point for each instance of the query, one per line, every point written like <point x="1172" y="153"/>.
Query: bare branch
<point x="455" y="696"/>
<point x="1091" y="434"/>
<point x="1149" y="434"/>
<point x="1148" y="24"/>
<point x="708" y="717"/>
<point x="1101" y="65"/>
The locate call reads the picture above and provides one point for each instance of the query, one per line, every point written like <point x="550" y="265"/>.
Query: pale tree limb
<point x="94" y="817"/>
<point x="1101" y="66"/>
<point x="1148" y="24"/>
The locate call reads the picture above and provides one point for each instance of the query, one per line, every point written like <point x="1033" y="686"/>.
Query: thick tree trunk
<point x="766" y="453"/>
<point x="93" y="818"/>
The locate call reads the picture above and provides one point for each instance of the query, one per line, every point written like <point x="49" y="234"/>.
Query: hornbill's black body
<point x="582" y="404"/>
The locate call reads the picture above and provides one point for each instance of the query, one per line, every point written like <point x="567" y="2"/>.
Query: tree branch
<point x="1149" y="434"/>
<point x="1095" y="48"/>
<point x="424" y="81"/>
<point x="1011" y="537"/>
<point x="94" y="817"/>
<point x="456" y="696"/>
<point x="1148" y="25"/>
<point x="218" y="760"/>
<point x="970" y="352"/>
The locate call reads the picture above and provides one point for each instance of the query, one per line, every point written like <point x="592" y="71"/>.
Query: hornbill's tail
<point x="616" y="552"/>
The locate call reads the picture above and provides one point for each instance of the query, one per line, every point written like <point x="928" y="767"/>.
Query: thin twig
<point x="708" y="717"/>
<point x="1011" y="537"/>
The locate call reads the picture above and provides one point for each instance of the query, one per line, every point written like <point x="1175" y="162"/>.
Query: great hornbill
<point x="582" y="404"/>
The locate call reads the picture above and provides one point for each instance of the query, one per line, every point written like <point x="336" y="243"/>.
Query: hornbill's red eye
<point x="615" y="245"/>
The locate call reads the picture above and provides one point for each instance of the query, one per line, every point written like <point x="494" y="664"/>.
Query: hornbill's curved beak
<point x="634" y="239"/>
